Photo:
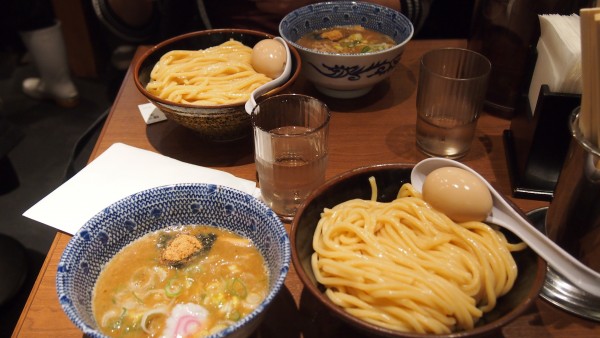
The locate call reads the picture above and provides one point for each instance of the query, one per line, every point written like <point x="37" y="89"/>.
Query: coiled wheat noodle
<point x="213" y="76"/>
<point x="404" y="266"/>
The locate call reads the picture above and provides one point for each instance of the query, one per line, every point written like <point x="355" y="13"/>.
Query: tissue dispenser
<point x="537" y="142"/>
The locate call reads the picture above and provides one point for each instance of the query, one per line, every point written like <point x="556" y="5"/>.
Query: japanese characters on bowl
<point x="341" y="70"/>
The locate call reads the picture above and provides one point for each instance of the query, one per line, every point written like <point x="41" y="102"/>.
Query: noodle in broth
<point x="166" y="284"/>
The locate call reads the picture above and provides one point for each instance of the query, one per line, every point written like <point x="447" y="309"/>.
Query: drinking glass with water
<point x="450" y="95"/>
<point x="290" y="140"/>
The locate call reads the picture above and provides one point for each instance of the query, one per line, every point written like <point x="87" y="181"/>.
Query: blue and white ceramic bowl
<point x="134" y="216"/>
<point x="347" y="75"/>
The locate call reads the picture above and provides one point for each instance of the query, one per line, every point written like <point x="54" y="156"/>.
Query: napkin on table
<point x="120" y="171"/>
<point x="558" y="63"/>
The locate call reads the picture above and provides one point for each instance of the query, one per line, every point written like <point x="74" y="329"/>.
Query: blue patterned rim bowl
<point x="347" y="75"/>
<point x="134" y="216"/>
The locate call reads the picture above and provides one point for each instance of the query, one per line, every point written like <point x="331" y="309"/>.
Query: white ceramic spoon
<point x="251" y="103"/>
<point x="504" y="215"/>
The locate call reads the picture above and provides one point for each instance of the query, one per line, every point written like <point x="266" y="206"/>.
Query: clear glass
<point x="450" y="94"/>
<point x="290" y="140"/>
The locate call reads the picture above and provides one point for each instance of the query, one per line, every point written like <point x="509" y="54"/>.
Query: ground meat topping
<point x="181" y="249"/>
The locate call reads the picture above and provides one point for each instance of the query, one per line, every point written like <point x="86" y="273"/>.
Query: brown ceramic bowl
<point x="389" y="178"/>
<point x="214" y="123"/>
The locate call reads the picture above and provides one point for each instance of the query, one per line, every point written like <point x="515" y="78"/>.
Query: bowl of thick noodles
<point x="374" y="256"/>
<point x="182" y="260"/>
<point x="201" y="80"/>
<point x="347" y="47"/>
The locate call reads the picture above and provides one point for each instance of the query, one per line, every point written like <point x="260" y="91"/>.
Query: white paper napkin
<point x="559" y="57"/>
<point x="120" y="171"/>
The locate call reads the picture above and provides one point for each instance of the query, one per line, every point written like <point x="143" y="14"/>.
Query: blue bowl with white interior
<point x="347" y="75"/>
<point x="132" y="217"/>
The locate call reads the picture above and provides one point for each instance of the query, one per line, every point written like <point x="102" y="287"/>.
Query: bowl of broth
<point x="202" y="80"/>
<point x="178" y="260"/>
<point x="347" y="47"/>
<point x="375" y="258"/>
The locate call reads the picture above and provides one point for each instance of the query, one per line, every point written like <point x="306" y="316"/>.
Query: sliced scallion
<point x="173" y="288"/>
<point x="237" y="287"/>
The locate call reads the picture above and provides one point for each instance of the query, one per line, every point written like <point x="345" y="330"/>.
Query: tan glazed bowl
<point x="213" y="123"/>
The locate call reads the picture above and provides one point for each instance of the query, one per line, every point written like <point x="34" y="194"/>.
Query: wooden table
<point x="377" y="128"/>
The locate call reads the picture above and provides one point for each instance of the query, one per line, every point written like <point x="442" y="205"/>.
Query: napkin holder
<point x="537" y="142"/>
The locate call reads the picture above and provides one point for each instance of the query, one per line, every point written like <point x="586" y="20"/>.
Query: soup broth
<point x="180" y="281"/>
<point x="346" y="40"/>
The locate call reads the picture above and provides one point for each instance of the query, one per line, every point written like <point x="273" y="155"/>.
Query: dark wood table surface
<point x="377" y="128"/>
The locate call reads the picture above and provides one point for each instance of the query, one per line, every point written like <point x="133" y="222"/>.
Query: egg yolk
<point x="269" y="58"/>
<point x="457" y="193"/>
